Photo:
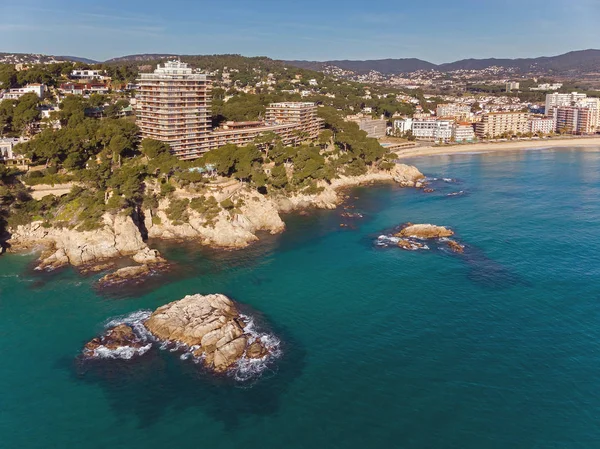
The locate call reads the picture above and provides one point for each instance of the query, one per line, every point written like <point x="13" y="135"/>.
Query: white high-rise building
<point x="436" y="130"/>
<point x="557" y="99"/>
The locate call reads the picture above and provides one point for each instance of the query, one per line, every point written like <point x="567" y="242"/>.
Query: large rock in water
<point x="425" y="231"/>
<point x="211" y="322"/>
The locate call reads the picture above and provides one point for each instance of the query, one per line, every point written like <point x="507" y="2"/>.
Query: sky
<point x="435" y="30"/>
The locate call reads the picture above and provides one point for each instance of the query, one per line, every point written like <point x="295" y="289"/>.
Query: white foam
<point x="249" y="368"/>
<point x="122" y="352"/>
<point x="447" y="179"/>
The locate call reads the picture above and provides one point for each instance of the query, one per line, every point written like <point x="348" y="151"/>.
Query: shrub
<point x="177" y="211"/>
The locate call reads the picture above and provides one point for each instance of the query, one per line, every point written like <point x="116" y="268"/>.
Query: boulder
<point x="211" y="322"/>
<point x="424" y="231"/>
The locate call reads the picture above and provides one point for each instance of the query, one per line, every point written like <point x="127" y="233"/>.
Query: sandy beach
<point x="578" y="142"/>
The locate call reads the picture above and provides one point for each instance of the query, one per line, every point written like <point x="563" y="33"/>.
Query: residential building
<point x="15" y="94"/>
<point x="547" y="86"/>
<point x="173" y="105"/>
<point x="463" y="132"/>
<point x="402" y="126"/>
<point x="495" y="124"/>
<point x="301" y="114"/>
<point x="432" y="129"/>
<point x="556" y="99"/>
<point x="574" y="120"/>
<point x="512" y="85"/>
<point x="6" y="148"/>
<point x="454" y="110"/>
<point x="541" y="125"/>
<point x="87" y="74"/>
<point x="375" y="128"/>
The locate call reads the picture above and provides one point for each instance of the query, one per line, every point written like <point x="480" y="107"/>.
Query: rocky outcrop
<point x="115" y="338"/>
<point x="424" y="231"/>
<point x="211" y="324"/>
<point x="85" y="249"/>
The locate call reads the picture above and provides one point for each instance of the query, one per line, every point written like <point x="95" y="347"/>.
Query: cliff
<point x="233" y="227"/>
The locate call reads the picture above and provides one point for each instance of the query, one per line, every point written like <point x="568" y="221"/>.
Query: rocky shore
<point x="121" y="237"/>
<point x="208" y="327"/>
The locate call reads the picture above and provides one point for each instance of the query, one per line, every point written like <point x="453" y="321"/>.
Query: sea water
<point x="380" y="347"/>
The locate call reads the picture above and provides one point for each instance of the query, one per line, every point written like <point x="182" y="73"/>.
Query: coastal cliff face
<point x="63" y="246"/>
<point x="235" y="228"/>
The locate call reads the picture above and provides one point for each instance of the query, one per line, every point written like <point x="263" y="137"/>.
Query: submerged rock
<point x="455" y="246"/>
<point x="424" y="231"/>
<point x="210" y="322"/>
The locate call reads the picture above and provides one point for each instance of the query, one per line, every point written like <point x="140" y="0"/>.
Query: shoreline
<point x="582" y="142"/>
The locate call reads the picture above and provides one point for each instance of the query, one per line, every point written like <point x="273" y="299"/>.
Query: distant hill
<point x="386" y="66"/>
<point x="140" y="57"/>
<point x="36" y="58"/>
<point x="572" y="62"/>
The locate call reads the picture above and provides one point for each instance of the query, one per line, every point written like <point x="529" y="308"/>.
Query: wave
<point x="247" y="368"/>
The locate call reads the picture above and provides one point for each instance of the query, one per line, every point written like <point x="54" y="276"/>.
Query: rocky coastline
<point x="122" y="237"/>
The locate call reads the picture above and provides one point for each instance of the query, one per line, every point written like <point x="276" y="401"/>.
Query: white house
<point x="15" y="94"/>
<point x="87" y="74"/>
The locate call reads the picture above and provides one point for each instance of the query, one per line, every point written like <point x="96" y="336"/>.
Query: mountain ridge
<point x="579" y="61"/>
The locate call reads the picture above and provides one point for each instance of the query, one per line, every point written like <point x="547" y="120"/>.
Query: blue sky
<point x="434" y="30"/>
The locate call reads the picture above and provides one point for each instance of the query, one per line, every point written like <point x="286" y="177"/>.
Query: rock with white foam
<point x="212" y="323"/>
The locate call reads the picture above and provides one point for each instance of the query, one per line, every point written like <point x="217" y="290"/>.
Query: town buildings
<point x="496" y="124"/>
<point x="174" y="106"/>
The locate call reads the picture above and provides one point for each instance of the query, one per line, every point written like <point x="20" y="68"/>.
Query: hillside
<point x="569" y="63"/>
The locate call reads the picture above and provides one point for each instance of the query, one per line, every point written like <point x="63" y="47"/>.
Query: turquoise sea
<point x="382" y="348"/>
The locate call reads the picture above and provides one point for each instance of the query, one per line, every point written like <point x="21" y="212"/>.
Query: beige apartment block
<point x="496" y="124"/>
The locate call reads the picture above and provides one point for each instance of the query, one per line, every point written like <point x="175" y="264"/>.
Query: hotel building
<point x="174" y="106"/>
<point x="495" y="124"/>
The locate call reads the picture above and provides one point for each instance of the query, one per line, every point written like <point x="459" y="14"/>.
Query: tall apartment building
<point x="556" y="99"/>
<point x="495" y="124"/>
<point x="459" y="111"/>
<point x="574" y="120"/>
<point x="302" y="114"/>
<point x="512" y="85"/>
<point x="173" y="105"/>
